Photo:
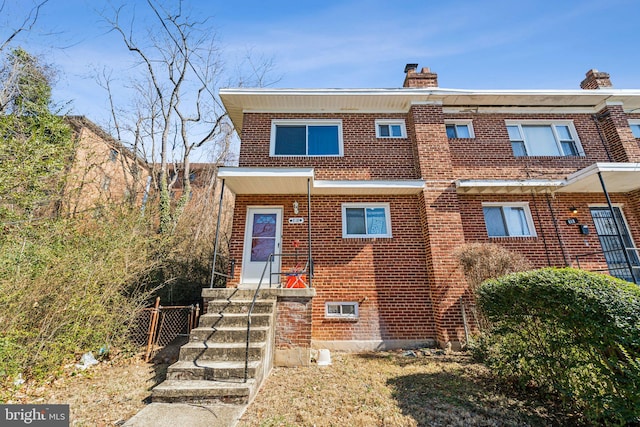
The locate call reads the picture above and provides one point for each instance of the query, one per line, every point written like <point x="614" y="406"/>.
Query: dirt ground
<point x="414" y="388"/>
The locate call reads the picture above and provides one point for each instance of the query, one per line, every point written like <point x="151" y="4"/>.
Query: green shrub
<point x="571" y="333"/>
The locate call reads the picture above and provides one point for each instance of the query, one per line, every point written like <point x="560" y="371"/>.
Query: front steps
<point x="211" y="365"/>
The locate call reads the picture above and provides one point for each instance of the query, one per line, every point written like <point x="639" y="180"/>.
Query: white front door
<point x="263" y="234"/>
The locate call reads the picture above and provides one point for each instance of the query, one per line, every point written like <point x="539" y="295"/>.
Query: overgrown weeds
<point x="68" y="286"/>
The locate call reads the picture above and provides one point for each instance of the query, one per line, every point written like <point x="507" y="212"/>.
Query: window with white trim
<point x="366" y="220"/>
<point x="634" y="124"/>
<point x="390" y="129"/>
<point x="344" y="310"/>
<point x="459" y="128"/>
<point x="544" y="138"/>
<point x="306" y="138"/>
<point x="508" y="220"/>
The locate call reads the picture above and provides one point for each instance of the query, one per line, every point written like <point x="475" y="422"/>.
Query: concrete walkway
<point x="185" y="414"/>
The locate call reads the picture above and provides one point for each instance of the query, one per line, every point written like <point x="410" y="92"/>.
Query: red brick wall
<point x="557" y="243"/>
<point x="623" y="146"/>
<point x="365" y="156"/>
<point x="489" y="154"/>
<point x="293" y="320"/>
<point x="386" y="276"/>
<point x="441" y="220"/>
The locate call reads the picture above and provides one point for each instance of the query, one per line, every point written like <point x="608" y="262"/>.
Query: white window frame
<point x="457" y="122"/>
<point x="341" y="315"/>
<point x="309" y="122"/>
<point x="387" y="217"/>
<point x="391" y="122"/>
<point x="527" y="215"/>
<point x="552" y="124"/>
<point x="632" y="123"/>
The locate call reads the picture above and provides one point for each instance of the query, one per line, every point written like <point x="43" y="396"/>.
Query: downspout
<point x="217" y="238"/>
<point x="309" y="232"/>
<point x="618" y="232"/>
<point x="555" y="225"/>
<point x="544" y="238"/>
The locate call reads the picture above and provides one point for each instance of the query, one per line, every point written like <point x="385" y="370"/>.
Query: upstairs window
<point x="459" y="129"/>
<point x="306" y="138"/>
<point x="508" y="219"/>
<point x="544" y="139"/>
<point x="635" y="127"/>
<point x="390" y="129"/>
<point x="366" y="220"/>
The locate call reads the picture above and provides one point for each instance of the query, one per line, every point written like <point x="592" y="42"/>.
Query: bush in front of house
<point x="68" y="286"/>
<point x="568" y="332"/>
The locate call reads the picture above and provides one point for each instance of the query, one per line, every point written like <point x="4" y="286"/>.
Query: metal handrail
<point x="268" y="263"/>
<point x="631" y="268"/>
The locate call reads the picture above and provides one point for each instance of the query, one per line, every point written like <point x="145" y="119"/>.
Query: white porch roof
<point x="618" y="178"/>
<point x="294" y="181"/>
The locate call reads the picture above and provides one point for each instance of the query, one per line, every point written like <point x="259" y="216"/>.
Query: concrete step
<point x="211" y="370"/>
<point x="229" y="334"/>
<point x="203" y="392"/>
<point x="240" y="306"/>
<point x="236" y="294"/>
<point x="208" y="350"/>
<point x="217" y="320"/>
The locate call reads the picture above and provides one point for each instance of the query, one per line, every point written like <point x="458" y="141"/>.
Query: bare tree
<point x="176" y="110"/>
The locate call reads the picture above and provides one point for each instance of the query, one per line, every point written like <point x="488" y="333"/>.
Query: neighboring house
<point x="102" y="171"/>
<point x="369" y="192"/>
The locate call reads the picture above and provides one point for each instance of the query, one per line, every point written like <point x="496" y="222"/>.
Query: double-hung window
<point x="635" y="127"/>
<point x="508" y="219"/>
<point x="390" y="129"/>
<point x="366" y="220"/>
<point x="459" y="128"/>
<point x="306" y="138"/>
<point x="539" y="138"/>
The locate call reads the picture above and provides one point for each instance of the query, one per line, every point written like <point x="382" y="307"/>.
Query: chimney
<point x="424" y="78"/>
<point x="596" y="80"/>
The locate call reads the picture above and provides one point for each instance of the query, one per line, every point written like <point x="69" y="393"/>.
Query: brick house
<point x="102" y="171"/>
<point x="366" y="193"/>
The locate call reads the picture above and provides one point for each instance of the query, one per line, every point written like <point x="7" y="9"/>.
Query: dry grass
<point x="106" y="394"/>
<point x="369" y="389"/>
<point x="390" y="389"/>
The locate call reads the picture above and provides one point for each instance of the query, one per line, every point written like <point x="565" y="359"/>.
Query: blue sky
<point x="498" y="44"/>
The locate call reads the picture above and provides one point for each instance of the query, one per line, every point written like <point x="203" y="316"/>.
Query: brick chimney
<point x="596" y="80"/>
<point x="424" y="78"/>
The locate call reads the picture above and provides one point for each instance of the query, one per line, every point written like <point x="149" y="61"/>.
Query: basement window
<point x="341" y="310"/>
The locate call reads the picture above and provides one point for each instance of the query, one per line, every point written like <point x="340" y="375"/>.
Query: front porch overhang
<point x="503" y="186"/>
<point x="296" y="180"/>
<point x="619" y="178"/>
